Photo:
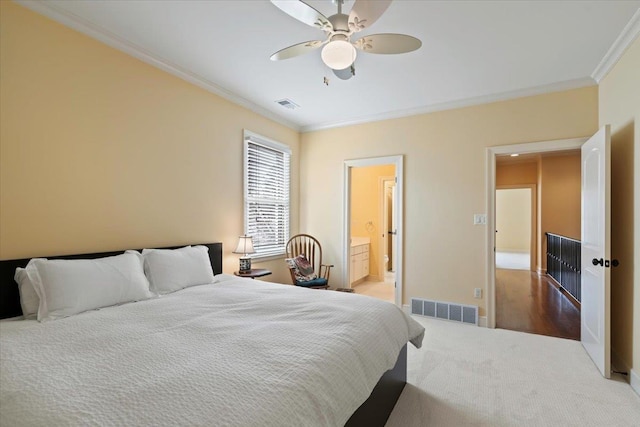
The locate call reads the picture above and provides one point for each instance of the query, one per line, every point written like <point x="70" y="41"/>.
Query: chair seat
<point x="320" y="281"/>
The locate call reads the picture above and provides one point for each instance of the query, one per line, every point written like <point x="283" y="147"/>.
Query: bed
<point x="234" y="352"/>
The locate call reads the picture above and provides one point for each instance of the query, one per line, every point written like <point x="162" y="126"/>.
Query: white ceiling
<point x="472" y="52"/>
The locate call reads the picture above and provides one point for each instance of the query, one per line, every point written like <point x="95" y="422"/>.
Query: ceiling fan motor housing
<point x="340" y="23"/>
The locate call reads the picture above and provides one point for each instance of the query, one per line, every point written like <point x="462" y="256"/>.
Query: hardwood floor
<point x="530" y="303"/>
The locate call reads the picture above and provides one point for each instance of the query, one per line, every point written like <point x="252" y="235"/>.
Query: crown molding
<point x="627" y="36"/>
<point x="629" y="33"/>
<point x="468" y="102"/>
<point x="94" y="31"/>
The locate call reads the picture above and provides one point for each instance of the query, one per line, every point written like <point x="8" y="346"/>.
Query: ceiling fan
<point x="338" y="51"/>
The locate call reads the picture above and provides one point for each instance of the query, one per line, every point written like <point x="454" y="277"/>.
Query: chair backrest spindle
<point x="307" y="245"/>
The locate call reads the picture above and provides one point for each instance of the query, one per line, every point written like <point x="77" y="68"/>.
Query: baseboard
<point x="634" y="380"/>
<point x="406" y="308"/>
<point x="482" y="321"/>
<point x="632" y="377"/>
<point x="617" y="363"/>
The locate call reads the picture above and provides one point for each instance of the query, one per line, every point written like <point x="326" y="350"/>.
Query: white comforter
<point x="234" y="353"/>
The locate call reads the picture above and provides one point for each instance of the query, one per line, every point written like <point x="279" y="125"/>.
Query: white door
<point x="596" y="264"/>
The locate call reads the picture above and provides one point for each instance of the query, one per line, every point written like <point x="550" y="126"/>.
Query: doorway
<point x="525" y="300"/>
<point x="515" y="227"/>
<point x="491" y="155"/>
<point x="372" y="227"/>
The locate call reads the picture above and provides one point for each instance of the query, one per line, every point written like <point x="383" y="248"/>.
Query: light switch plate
<point x="479" y="219"/>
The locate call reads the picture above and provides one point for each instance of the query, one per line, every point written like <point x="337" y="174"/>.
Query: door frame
<point x="533" y="243"/>
<point x="397" y="161"/>
<point x="383" y="221"/>
<point x="491" y="154"/>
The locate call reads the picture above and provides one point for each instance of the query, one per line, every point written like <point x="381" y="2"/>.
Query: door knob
<point x="615" y="263"/>
<point x="597" y="261"/>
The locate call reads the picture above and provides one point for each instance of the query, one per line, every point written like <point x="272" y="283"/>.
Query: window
<point x="266" y="194"/>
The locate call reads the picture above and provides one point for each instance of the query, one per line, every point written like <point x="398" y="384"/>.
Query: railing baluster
<point x="563" y="262"/>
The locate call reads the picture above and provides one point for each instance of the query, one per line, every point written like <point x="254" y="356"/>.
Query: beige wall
<point x="366" y="207"/>
<point x="444" y="176"/>
<point x="560" y="196"/>
<point x="619" y="95"/>
<point x="517" y="173"/>
<point x="101" y="151"/>
<point x="513" y="219"/>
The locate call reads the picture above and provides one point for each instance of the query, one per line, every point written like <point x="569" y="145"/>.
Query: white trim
<point x="629" y="33"/>
<point x="71" y="20"/>
<point x="617" y="364"/>
<point x="467" y="102"/>
<point x="249" y="137"/>
<point x="482" y="321"/>
<point x="634" y="381"/>
<point x="92" y="30"/>
<point x="490" y="180"/>
<point x="381" y="238"/>
<point x="263" y="140"/>
<point x="397" y="161"/>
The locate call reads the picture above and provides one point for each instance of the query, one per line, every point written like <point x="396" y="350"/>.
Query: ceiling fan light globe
<point x="338" y="54"/>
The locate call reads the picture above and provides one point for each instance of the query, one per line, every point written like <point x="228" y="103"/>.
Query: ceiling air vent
<point x="287" y="103"/>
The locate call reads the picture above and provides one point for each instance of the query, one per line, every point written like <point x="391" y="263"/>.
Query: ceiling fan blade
<point x="387" y="43"/>
<point x="304" y="13"/>
<point x="296" y="49"/>
<point x="345" y="74"/>
<point x="364" y="13"/>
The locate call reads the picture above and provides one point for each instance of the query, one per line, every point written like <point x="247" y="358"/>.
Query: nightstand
<point x="253" y="273"/>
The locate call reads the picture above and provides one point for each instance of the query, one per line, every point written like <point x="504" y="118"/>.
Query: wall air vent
<point x="445" y="310"/>
<point x="287" y="103"/>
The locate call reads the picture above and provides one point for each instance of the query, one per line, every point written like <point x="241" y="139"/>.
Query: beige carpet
<point x="470" y="376"/>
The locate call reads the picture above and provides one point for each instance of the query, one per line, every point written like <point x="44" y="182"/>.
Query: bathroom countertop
<point x="357" y="241"/>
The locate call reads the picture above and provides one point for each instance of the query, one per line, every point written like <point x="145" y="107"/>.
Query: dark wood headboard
<point x="10" y="297"/>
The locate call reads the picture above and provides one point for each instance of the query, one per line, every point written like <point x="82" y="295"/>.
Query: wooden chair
<point x="304" y="244"/>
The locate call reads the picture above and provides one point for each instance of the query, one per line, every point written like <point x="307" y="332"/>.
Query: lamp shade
<point x="338" y="54"/>
<point x="245" y="245"/>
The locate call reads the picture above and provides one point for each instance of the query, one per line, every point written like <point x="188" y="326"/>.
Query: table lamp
<point x="245" y="247"/>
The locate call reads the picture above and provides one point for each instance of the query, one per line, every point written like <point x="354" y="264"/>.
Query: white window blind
<point x="266" y="209"/>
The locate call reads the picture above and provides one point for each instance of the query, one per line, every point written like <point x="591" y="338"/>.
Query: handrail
<point x="564" y="237"/>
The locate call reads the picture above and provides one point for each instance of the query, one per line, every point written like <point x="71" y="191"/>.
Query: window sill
<point x="264" y="258"/>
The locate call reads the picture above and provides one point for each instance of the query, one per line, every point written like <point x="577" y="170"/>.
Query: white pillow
<point x="67" y="287"/>
<point x="169" y="270"/>
<point x="29" y="299"/>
